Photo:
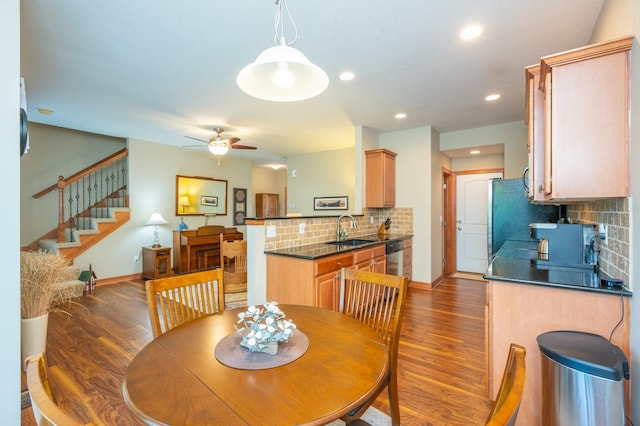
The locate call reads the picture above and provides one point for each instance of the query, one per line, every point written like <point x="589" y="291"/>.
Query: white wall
<point x="414" y="189"/>
<point x="9" y="172"/>
<point x="619" y="18"/>
<point x="323" y="174"/>
<point x="512" y="135"/>
<point x="484" y="162"/>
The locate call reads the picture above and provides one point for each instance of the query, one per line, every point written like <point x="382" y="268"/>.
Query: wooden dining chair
<point x="233" y="260"/>
<point x="507" y="403"/>
<point x="378" y="301"/>
<point x="45" y="409"/>
<point x="178" y="299"/>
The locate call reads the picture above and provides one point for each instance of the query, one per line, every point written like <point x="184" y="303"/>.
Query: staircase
<point x="93" y="203"/>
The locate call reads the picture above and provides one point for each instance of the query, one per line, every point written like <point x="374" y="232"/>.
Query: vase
<point x="33" y="336"/>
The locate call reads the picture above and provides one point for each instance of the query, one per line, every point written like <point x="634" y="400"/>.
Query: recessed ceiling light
<point x="474" y="152"/>
<point x="470" y="32"/>
<point x="401" y="115"/>
<point x="347" y="76"/>
<point x="492" y="97"/>
<point x="45" y="111"/>
<point x="276" y="166"/>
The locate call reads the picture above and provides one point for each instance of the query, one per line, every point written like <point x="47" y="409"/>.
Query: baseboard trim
<point x="112" y="280"/>
<point x="417" y="285"/>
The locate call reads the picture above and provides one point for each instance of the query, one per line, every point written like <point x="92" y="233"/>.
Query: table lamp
<point x="155" y="220"/>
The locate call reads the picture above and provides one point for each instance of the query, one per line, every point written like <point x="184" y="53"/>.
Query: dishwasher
<point x="394" y="257"/>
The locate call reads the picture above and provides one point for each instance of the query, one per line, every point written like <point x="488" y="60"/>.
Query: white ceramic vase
<point x="33" y="335"/>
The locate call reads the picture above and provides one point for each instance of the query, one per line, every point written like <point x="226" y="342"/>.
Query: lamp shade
<point x="282" y="74"/>
<point x="156" y="219"/>
<point x="218" y="149"/>
<point x="183" y="200"/>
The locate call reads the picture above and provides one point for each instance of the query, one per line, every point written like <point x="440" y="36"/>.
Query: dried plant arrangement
<point x="42" y="275"/>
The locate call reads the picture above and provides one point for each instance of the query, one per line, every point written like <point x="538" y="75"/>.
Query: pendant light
<point x="282" y="73"/>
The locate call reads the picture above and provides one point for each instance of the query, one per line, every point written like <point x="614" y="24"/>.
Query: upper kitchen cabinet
<point x="381" y="178"/>
<point x="579" y="123"/>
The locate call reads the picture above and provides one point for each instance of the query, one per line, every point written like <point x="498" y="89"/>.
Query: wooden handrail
<point x="62" y="182"/>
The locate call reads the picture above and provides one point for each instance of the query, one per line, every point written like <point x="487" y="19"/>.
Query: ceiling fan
<point x="220" y="146"/>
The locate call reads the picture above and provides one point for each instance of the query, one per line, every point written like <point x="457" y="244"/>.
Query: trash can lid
<point x="585" y="352"/>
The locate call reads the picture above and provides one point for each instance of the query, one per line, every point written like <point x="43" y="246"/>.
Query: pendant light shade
<point x="282" y="73"/>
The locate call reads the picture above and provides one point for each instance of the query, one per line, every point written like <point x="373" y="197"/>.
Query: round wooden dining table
<point x="177" y="380"/>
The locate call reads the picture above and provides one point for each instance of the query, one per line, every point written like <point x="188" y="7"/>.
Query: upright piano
<point x="191" y="245"/>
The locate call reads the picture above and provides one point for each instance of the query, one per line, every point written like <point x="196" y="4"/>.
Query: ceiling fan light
<point x="264" y="78"/>
<point x="218" y="149"/>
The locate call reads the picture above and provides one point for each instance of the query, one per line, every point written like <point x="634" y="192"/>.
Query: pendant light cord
<point x="279" y="24"/>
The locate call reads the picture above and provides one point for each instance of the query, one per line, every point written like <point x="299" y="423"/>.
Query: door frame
<point x="449" y="196"/>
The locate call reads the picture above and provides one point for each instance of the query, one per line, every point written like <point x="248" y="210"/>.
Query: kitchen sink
<point x="351" y="242"/>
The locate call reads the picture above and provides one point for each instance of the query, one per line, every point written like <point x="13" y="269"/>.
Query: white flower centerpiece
<point x="264" y="327"/>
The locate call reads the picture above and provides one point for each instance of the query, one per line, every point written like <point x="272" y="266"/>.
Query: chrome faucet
<point x="339" y="235"/>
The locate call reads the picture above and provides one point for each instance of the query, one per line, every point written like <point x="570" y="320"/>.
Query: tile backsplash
<point x="614" y="256"/>
<point x="321" y="229"/>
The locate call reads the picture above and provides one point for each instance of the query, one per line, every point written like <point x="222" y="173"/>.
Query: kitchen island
<point x="525" y="300"/>
<point x="310" y="274"/>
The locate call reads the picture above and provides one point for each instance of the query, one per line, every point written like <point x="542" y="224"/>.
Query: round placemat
<point x="230" y="353"/>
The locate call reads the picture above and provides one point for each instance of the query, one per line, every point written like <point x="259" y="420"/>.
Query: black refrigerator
<point x="510" y="213"/>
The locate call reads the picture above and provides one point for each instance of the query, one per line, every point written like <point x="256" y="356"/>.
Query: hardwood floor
<point x="441" y="373"/>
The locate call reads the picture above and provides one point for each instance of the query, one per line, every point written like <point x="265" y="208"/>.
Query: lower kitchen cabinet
<point x="519" y="313"/>
<point x="294" y="280"/>
<point x="407" y="256"/>
<point x="371" y="259"/>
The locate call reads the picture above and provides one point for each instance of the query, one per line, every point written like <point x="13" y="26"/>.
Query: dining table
<point x="177" y="379"/>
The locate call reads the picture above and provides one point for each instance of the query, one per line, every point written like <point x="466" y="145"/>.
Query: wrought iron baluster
<point x="70" y="221"/>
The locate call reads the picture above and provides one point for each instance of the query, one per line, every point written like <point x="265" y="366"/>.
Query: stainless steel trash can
<point x="582" y="379"/>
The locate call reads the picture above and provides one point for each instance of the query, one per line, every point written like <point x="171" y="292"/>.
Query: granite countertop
<point x="318" y="250"/>
<point x="513" y="263"/>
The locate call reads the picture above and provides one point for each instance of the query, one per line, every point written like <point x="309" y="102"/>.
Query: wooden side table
<point x="156" y="262"/>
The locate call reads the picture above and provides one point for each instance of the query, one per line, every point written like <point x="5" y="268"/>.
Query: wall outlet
<point x="271" y="231"/>
<point x="302" y="227"/>
<point x="136" y="258"/>
<point x="371" y="220"/>
<point x="603" y="233"/>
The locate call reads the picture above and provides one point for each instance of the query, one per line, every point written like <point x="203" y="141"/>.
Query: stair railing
<point x="88" y="192"/>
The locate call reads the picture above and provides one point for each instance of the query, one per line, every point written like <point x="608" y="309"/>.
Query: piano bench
<point x="207" y="259"/>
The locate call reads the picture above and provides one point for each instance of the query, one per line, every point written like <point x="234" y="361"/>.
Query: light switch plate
<point x="271" y="231"/>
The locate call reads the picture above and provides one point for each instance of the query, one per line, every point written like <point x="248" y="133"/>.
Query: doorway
<point x="471" y="205"/>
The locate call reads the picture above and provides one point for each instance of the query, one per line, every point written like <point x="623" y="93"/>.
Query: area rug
<point x="373" y="416"/>
<point x="468" y="276"/>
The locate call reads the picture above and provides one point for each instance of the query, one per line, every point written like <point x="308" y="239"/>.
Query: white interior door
<point x="471" y="221"/>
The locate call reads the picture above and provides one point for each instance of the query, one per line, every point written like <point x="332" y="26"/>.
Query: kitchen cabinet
<point x="579" y="123"/>
<point x="267" y="205"/>
<point x="306" y="282"/>
<point x="371" y="259"/>
<point x="156" y="262"/>
<point x="519" y="313"/>
<point x="380" y="178"/>
<point x="407" y="256"/>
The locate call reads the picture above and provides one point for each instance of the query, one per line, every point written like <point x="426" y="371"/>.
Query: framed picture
<point x="239" y="205"/>
<point x="331" y="203"/>
<point x="209" y="200"/>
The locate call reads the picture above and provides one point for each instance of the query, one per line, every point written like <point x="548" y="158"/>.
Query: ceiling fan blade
<point x="242" y="147"/>
<point x="231" y="141"/>
<point x="196" y="139"/>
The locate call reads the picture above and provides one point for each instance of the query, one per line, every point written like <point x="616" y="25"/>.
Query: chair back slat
<point x="174" y="300"/>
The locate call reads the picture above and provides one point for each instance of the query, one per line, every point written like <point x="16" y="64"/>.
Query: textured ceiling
<point x="160" y="70"/>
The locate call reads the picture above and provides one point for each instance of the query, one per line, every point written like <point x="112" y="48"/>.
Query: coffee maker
<point x="565" y="244"/>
